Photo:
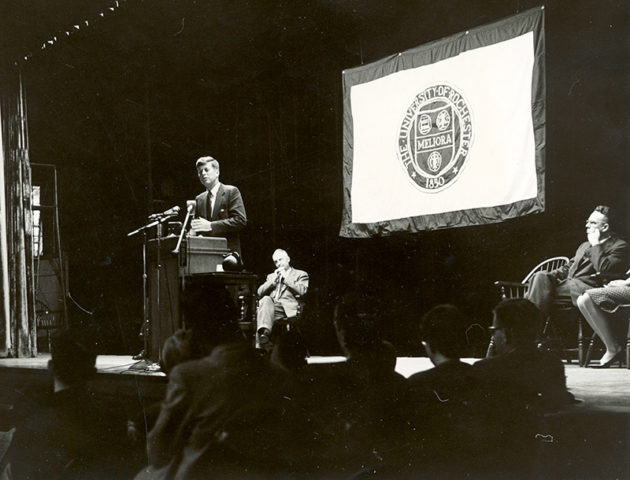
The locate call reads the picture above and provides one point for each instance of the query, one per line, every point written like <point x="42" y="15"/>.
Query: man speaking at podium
<point x="219" y="210"/>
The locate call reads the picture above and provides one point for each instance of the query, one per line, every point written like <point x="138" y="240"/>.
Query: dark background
<point x="124" y="106"/>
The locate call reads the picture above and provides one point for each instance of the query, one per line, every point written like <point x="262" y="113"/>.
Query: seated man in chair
<point x="279" y="294"/>
<point x="603" y="252"/>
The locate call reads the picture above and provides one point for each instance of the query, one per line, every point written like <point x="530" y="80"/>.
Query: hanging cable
<point x="79" y="306"/>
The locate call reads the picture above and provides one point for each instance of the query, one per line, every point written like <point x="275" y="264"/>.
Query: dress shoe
<point x="615" y="358"/>
<point x="140" y="356"/>
<point x="263" y="336"/>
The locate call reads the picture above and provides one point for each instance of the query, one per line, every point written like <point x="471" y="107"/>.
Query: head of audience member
<point x="442" y="331"/>
<point x="357" y="319"/>
<point x="599" y="222"/>
<point x="176" y="350"/>
<point x="289" y="351"/>
<point x="281" y="259"/>
<point x="515" y="324"/>
<point x="211" y="315"/>
<point x="356" y="322"/>
<point x="73" y="359"/>
<point x="208" y="171"/>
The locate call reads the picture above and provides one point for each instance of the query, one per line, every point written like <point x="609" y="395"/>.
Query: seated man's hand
<point x="200" y="225"/>
<point x="616" y="283"/>
<point x="281" y="274"/>
<point x="593" y="236"/>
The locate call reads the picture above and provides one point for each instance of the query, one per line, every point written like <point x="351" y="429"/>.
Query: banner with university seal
<point x="448" y="134"/>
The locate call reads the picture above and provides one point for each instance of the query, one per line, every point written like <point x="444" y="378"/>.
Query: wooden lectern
<point x="167" y="277"/>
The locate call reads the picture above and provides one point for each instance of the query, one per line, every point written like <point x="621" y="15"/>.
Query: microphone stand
<point x="189" y="215"/>
<point x="181" y="234"/>
<point x="146" y="322"/>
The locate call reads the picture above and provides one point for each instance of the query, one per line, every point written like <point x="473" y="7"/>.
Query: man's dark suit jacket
<point x="67" y="435"/>
<point x="222" y="415"/>
<point x="515" y="390"/>
<point x="523" y="378"/>
<point x="228" y="216"/>
<point x="610" y="257"/>
<point x="451" y="380"/>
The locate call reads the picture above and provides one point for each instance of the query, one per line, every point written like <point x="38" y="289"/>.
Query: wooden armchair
<point x="285" y="324"/>
<point x="549" y="334"/>
<point x="519" y="289"/>
<point x="292" y="322"/>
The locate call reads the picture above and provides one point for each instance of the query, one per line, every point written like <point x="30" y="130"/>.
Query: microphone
<point x="171" y="212"/>
<point x="190" y="207"/>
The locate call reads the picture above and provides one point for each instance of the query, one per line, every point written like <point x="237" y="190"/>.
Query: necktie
<point x="276" y="294"/>
<point x="209" y="205"/>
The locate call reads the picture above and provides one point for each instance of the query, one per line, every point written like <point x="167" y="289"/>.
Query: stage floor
<point x="600" y="389"/>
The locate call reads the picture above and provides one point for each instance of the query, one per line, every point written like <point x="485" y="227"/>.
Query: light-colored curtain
<point x="18" y="334"/>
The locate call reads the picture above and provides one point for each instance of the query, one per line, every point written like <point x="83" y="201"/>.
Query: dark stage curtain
<point x="18" y="335"/>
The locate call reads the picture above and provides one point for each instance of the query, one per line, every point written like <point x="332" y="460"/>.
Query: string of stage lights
<point x="71" y="30"/>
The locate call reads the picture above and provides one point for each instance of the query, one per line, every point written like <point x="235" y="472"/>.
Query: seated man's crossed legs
<point x="544" y="288"/>
<point x="268" y="312"/>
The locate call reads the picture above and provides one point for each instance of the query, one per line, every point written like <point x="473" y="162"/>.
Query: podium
<point x="168" y="274"/>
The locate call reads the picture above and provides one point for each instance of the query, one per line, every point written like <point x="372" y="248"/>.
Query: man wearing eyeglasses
<point x="603" y="253"/>
<point x="518" y="386"/>
<point x="519" y="370"/>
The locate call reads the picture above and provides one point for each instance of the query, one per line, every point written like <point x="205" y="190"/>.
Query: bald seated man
<point x="278" y="295"/>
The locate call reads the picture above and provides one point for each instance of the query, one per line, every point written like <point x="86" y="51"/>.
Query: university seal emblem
<point x="435" y="137"/>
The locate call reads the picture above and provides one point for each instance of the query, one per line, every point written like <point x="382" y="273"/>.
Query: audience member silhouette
<point x="64" y="432"/>
<point x="289" y="351"/>
<point x="442" y="331"/>
<point x="533" y="378"/>
<point x="224" y="414"/>
<point x="210" y="314"/>
<point x="176" y="350"/>
<point x="355" y="408"/>
<point x="446" y="413"/>
<point x="208" y="311"/>
<point x="230" y="412"/>
<point x="519" y="384"/>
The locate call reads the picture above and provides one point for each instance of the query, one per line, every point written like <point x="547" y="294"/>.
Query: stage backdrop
<point x="448" y="134"/>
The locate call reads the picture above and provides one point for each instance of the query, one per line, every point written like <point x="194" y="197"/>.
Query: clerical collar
<point x="605" y="239"/>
